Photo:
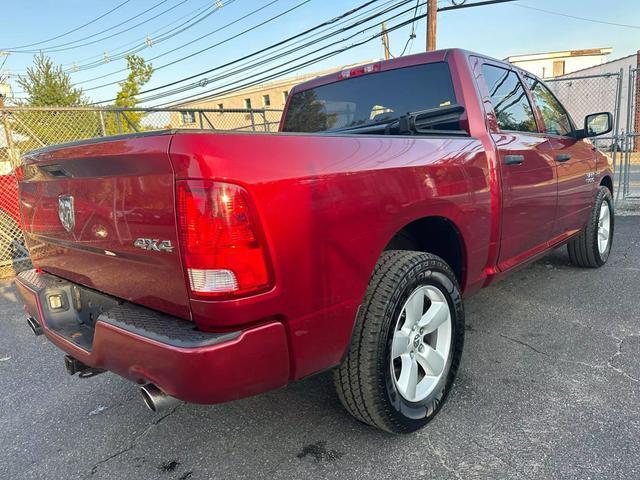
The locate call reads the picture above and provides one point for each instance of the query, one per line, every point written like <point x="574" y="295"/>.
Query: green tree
<point x="140" y="73"/>
<point x="47" y="85"/>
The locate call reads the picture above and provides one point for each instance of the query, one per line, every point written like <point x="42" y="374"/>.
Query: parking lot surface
<point x="549" y="387"/>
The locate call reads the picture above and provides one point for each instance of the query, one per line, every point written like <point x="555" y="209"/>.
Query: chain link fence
<point x="631" y="145"/>
<point x="27" y="128"/>
<point x="619" y="94"/>
<point x="583" y="95"/>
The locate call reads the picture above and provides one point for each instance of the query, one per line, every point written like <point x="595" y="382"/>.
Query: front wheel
<point x="592" y="247"/>
<point x="406" y="345"/>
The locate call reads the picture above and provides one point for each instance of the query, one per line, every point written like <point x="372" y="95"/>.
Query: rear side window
<point x="555" y="117"/>
<point x="370" y="98"/>
<point x="510" y="102"/>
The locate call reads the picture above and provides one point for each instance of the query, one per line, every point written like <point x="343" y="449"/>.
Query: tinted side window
<point x="556" y="119"/>
<point x="510" y="101"/>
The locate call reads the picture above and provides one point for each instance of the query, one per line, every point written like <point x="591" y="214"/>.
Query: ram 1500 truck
<point x="210" y="266"/>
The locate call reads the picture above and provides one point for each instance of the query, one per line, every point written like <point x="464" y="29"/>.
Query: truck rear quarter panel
<point x="329" y="206"/>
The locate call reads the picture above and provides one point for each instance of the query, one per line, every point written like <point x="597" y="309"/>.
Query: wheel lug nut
<point x="411" y="354"/>
<point x="422" y="330"/>
<point x="421" y="348"/>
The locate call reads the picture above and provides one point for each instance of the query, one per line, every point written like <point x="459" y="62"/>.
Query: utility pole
<point x="385" y="41"/>
<point x="432" y="13"/>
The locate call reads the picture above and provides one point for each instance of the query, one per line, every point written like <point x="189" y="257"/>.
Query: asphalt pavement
<point x="549" y="388"/>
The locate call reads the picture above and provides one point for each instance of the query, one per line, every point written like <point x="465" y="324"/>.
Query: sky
<point x="498" y="30"/>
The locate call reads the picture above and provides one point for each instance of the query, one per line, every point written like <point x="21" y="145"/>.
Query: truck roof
<point x="400" y="62"/>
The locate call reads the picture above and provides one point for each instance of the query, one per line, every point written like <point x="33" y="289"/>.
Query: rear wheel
<point x="406" y="345"/>
<point x="592" y="247"/>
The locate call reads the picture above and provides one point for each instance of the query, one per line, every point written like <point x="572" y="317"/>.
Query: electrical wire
<point x="135" y="42"/>
<point x="141" y="44"/>
<point x="292" y="68"/>
<point x="269" y="47"/>
<point x="69" y="45"/>
<point x="71" y="31"/>
<point x="189" y="43"/>
<point x="233" y="86"/>
<point x="275" y="17"/>
<point x="247" y="67"/>
<point x="412" y="35"/>
<point x="575" y="17"/>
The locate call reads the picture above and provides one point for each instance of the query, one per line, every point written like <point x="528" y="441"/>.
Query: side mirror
<point x="596" y="124"/>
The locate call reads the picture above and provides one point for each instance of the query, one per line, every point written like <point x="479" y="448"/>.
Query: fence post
<point x="264" y="121"/>
<point x="200" y="119"/>
<point x="103" y="130"/>
<point x="616" y="121"/>
<point x="118" y="122"/>
<point x="253" y="121"/>
<point x="6" y="126"/>
<point x="629" y="143"/>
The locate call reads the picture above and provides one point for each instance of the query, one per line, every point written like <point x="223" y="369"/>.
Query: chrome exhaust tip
<point x="155" y="399"/>
<point x="34" y="326"/>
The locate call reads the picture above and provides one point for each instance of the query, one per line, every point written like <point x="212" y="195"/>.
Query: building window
<point x="247" y="103"/>
<point x="285" y="95"/>
<point x="266" y="101"/>
<point x="188" y="117"/>
<point x="221" y="106"/>
<point x="558" y="68"/>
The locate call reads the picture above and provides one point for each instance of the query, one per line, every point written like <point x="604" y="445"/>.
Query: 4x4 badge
<point x="153" y="244"/>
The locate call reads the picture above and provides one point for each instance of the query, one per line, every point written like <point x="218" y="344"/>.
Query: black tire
<point x="583" y="249"/>
<point x="364" y="380"/>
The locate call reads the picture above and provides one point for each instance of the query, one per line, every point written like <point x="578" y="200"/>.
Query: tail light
<point x="222" y="244"/>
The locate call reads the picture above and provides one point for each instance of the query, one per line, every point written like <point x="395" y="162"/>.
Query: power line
<point x="297" y="67"/>
<point x="412" y="35"/>
<point x="575" y="17"/>
<point x="80" y="62"/>
<point x="75" y="29"/>
<point x="290" y="68"/>
<point x="70" y="46"/>
<point x="267" y="58"/>
<point x="275" y="17"/>
<point x="471" y="5"/>
<point x="142" y="44"/>
<point x="205" y="81"/>
<point x="188" y="43"/>
<point x="282" y="42"/>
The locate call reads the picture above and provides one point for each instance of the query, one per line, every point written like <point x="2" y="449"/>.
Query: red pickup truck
<point x="210" y="266"/>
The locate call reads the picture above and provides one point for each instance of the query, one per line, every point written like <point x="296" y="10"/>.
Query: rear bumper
<point x="146" y="346"/>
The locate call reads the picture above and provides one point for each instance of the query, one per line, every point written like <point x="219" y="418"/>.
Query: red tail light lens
<point x="222" y="244"/>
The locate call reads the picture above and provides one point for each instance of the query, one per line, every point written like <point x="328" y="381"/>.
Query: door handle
<point x="563" y="157"/>
<point x="513" y="159"/>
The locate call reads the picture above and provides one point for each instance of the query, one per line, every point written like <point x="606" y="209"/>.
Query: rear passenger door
<point x="526" y="165"/>
<point x="574" y="160"/>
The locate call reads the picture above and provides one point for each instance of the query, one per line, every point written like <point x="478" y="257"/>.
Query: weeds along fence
<point x="27" y="128"/>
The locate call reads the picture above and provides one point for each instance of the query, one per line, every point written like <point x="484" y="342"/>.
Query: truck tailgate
<point x="85" y="205"/>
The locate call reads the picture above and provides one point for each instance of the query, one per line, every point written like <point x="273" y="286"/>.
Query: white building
<point x="556" y="64"/>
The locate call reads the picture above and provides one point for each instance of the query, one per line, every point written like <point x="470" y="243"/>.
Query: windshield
<point x="370" y="98"/>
